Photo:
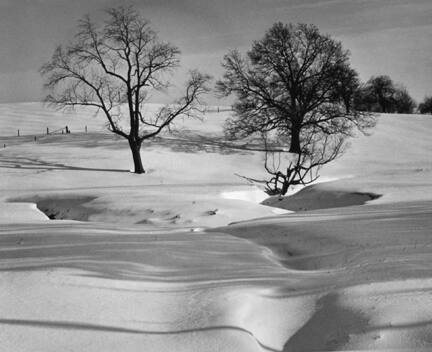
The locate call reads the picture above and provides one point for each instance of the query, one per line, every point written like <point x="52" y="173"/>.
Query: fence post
<point x="18" y="133"/>
<point x="47" y="130"/>
<point x="86" y="129"/>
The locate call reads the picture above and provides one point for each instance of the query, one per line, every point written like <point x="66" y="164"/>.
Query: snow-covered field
<point x="157" y="267"/>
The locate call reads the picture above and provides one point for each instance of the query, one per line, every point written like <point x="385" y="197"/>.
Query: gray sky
<point x="384" y="36"/>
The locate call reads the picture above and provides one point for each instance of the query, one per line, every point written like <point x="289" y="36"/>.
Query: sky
<point x="390" y="37"/>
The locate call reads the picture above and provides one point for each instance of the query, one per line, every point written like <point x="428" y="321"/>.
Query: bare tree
<point x="426" y="106"/>
<point x="381" y="94"/>
<point x="403" y="103"/>
<point x="347" y="85"/>
<point x="296" y="84"/>
<point x="288" y="169"/>
<point x="114" y="67"/>
<point x="382" y="89"/>
<point x="291" y="81"/>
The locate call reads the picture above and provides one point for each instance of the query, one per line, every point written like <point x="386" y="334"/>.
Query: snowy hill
<point x="153" y="266"/>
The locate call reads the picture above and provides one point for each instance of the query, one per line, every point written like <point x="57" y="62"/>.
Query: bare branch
<point x="187" y="105"/>
<point x="295" y="85"/>
<point x="116" y="65"/>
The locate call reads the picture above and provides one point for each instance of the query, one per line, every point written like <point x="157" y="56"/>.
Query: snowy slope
<point x="142" y="275"/>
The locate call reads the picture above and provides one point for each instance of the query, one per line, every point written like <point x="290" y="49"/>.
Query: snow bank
<point x="20" y="212"/>
<point x="254" y="195"/>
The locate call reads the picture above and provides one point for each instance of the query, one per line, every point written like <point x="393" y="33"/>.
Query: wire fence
<point x="217" y="109"/>
<point x="29" y="136"/>
<point x="49" y="131"/>
<point x="36" y="136"/>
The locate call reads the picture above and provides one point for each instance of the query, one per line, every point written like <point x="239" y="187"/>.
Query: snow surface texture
<point x="142" y="274"/>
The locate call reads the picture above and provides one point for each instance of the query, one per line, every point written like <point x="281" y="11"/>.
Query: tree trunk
<point x="382" y="104"/>
<point x="135" y="149"/>
<point x="285" y="187"/>
<point x="347" y="103"/>
<point x="295" y="140"/>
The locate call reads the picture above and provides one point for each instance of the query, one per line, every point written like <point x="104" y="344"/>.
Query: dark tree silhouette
<point x="381" y="94"/>
<point x="382" y="89"/>
<point x="403" y="102"/>
<point x="114" y="67"/>
<point x="347" y="85"/>
<point x="290" y="81"/>
<point x="296" y="84"/>
<point x="365" y="100"/>
<point x="287" y="169"/>
<point x="426" y="106"/>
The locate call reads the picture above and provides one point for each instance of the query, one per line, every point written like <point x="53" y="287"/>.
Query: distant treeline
<point x="381" y="94"/>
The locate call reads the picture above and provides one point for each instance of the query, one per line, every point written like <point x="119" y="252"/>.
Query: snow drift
<point x="140" y="275"/>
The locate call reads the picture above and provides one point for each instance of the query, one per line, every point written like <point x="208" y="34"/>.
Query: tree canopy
<point x="294" y="80"/>
<point x="297" y="84"/>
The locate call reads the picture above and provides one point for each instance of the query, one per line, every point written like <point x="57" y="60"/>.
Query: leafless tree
<point x="113" y="67"/>
<point x="381" y="94"/>
<point x="426" y="106"/>
<point x="382" y="89"/>
<point x="403" y="102"/>
<point x="291" y="81"/>
<point x="290" y="169"/>
<point x="297" y="84"/>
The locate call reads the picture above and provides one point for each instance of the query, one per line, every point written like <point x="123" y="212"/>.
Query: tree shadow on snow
<point x="329" y="329"/>
<point x="41" y="166"/>
<point x="194" y="143"/>
<point x="333" y="326"/>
